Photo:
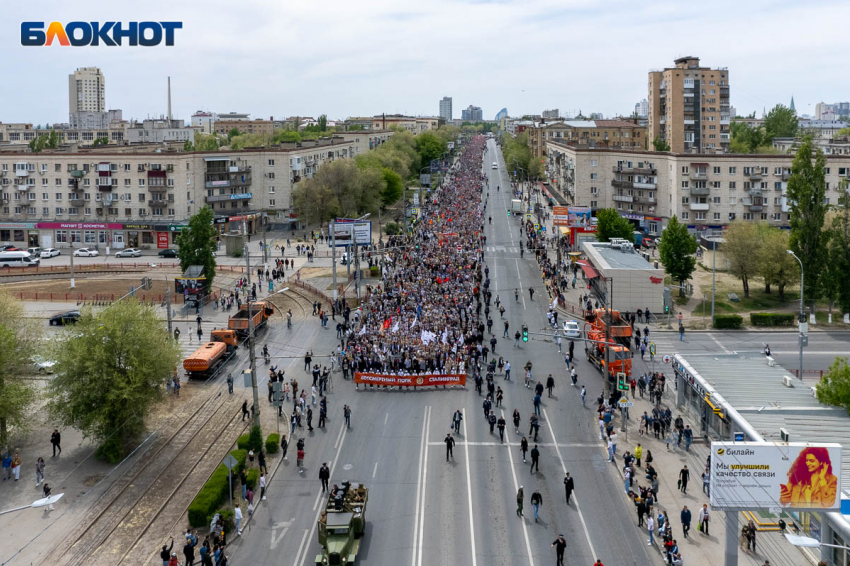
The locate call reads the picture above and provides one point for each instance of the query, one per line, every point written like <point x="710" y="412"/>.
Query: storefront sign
<point x="219" y="198"/>
<point x="632" y="216"/>
<point x="560" y="215"/>
<point x="421" y="380"/>
<point x="760" y="475"/>
<point x="688" y="378"/>
<point x="162" y="240"/>
<point x="143" y="227"/>
<point x="221" y="220"/>
<point x="17" y="225"/>
<point x="79" y="226"/>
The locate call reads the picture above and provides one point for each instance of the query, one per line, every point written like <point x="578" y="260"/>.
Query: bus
<point x="18" y="259"/>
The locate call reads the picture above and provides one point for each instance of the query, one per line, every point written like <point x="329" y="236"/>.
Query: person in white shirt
<point x="237" y="513"/>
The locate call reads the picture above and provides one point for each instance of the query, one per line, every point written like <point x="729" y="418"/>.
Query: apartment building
<point x="262" y="127"/>
<point x="472" y="114"/>
<point x="205" y="121"/>
<point x="86" y="90"/>
<point x="446" y="108"/>
<point x="13" y="135"/>
<point x="689" y="107"/>
<point x="143" y="199"/>
<point x="415" y="125"/>
<point x="589" y="133"/>
<point x="705" y="191"/>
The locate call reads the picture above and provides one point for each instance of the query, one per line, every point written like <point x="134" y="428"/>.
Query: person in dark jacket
<point x="536" y="502"/>
<point x="550" y="384"/>
<point x="165" y="555"/>
<point x="56" y="440"/>
<point x="535" y="457"/>
<point x="560" y="545"/>
<point x="568" y="486"/>
<point x="324" y="475"/>
<point x="686" y="521"/>
<point x="189" y="553"/>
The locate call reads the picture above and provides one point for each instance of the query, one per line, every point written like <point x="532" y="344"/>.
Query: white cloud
<point x="355" y="58"/>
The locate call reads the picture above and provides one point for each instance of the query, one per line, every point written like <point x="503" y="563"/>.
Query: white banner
<point x="754" y="475"/>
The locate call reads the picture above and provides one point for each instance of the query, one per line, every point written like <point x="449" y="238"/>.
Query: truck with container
<point x="205" y="362"/>
<point x="259" y="311"/>
<point x="611" y="320"/>
<point x="608" y="356"/>
<point x="516" y="206"/>
<point x="342" y="524"/>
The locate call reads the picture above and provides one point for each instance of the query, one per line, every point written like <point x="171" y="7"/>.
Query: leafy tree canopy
<point x="198" y="243"/>
<point x="677" y="251"/>
<point x="611" y="225"/>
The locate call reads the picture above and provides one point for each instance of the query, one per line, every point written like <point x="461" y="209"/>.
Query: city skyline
<point x="256" y="74"/>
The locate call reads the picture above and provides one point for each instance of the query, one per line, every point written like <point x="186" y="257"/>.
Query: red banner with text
<point x="421" y="380"/>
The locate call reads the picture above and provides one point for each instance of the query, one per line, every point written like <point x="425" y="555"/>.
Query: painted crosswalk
<point x="508" y="249"/>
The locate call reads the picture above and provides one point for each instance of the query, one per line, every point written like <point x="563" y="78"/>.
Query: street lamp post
<point x="800" y="338"/>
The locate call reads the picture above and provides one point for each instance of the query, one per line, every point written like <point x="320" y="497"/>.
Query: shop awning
<point x="588" y="270"/>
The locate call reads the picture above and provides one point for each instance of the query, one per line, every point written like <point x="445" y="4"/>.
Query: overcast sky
<point x="352" y="58"/>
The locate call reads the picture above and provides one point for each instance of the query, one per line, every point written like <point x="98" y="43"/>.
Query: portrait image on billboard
<point x="579" y="215"/>
<point x="766" y="474"/>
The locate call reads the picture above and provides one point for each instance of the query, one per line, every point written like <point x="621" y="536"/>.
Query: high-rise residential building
<point x="472" y="114"/>
<point x="446" y="108"/>
<point x="551" y="114"/>
<point x="86" y="90"/>
<point x="689" y="107"/>
<point x="503" y="113"/>
<point x="824" y="111"/>
<point x="642" y="108"/>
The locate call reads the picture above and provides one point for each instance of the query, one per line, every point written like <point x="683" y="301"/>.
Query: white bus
<point x="17" y="259"/>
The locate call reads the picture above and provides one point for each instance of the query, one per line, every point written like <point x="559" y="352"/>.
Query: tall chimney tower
<point x="169" y="99"/>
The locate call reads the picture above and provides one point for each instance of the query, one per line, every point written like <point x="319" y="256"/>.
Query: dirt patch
<point x="91" y="481"/>
<point x="117" y="285"/>
<point x="311" y="272"/>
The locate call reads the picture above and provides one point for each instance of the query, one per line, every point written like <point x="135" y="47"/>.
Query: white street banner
<point x="754" y="475"/>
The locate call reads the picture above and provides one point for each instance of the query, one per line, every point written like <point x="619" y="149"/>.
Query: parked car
<point x="10" y="248"/>
<point x="34" y="252"/>
<point x="129" y="252"/>
<point x="64" y="318"/>
<point x="572" y="329"/>
<point x="49" y="252"/>
<point x="85" y="252"/>
<point x="168" y="253"/>
<point x="43" y="366"/>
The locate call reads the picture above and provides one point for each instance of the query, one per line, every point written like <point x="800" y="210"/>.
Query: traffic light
<point x="524" y="333"/>
<point x="666" y="309"/>
<point x="622" y="382"/>
<point x="509" y="214"/>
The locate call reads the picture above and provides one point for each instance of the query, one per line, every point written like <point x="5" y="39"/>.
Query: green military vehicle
<point x="342" y="524"/>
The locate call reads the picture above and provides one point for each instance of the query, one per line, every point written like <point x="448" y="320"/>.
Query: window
<point x="61" y="236"/>
<point x="685" y="184"/>
<point x="764" y="216"/>
<point x="593" y="204"/>
<point x="271" y="190"/>
<point x="716" y="200"/>
<point x="170" y="212"/>
<point x="717" y="216"/>
<point x="271" y="202"/>
<point x="684" y="215"/>
<point x="58" y="182"/>
<point x="716" y="169"/>
<point x="686" y="200"/>
<point x="127" y="182"/>
<point x="44" y="181"/>
<point x="732" y="185"/>
<point x="86" y="183"/>
<point x="127" y="167"/>
<point x="748" y="216"/>
<point x="271" y="175"/>
<point x="777" y="216"/>
<point x="685" y="169"/>
<point x="594" y="176"/>
<point x="699" y="216"/>
<point x="594" y="163"/>
<point x="128" y="196"/>
<point x="45" y="196"/>
<point x="594" y="190"/>
<point x="141" y="182"/>
<point x="141" y="197"/>
<point x="733" y="170"/>
<point x="733" y="201"/>
<point x="89" y="236"/>
<point x="58" y="196"/>
<point x="777" y="185"/>
<point x="57" y="168"/>
<point x="87" y="210"/>
<point x="271" y="162"/>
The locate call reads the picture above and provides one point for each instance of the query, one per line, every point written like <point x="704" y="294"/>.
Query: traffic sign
<point x="230" y="462"/>
<point x="528" y="216"/>
<point x="652" y="348"/>
<point x="624" y="403"/>
<point x="536" y="226"/>
<point x="666" y="359"/>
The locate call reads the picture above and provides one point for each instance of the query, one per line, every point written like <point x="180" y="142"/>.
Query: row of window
<point x="775" y="216"/>
<point x="87" y="196"/>
<point x="100" y="182"/>
<point x="72" y="211"/>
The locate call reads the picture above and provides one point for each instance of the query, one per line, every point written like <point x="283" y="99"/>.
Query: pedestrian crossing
<point x="508" y="249"/>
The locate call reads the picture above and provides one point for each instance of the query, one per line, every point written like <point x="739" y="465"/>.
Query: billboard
<point x="345" y="232"/>
<point x="560" y="216"/>
<point x="425" y="179"/>
<point x="417" y="380"/>
<point x="775" y="475"/>
<point x="451" y="145"/>
<point x="579" y="216"/>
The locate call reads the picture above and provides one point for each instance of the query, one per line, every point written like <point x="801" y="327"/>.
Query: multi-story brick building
<point x="144" y="198"/>
<point x="262" y="127"/>
<point x="586" y="133"/>
<point x="705" y="191"/>
<point x="689" y="107"/>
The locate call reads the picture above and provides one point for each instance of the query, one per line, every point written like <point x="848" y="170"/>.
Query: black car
<point x="64" y="318"/>
<point x="168" y="253"/>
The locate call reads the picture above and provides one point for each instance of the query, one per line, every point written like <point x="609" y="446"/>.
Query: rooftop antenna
<point x="169" y="99"/>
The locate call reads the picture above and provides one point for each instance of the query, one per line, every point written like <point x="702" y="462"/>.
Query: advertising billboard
<point x="754" y="475"/>
<point x="346" y="231"/>
<point x="579" y="216"/>
<point x="560" y="215"/>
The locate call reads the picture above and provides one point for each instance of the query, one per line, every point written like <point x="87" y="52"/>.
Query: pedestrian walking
<point x="56" y="441"/>
<point x="550" y="384"/>
<point x="346" y="412"/>
<point x="324" y="475"/>
<point x="706" y="482"/>
<point x="523" y="447"/>
<point x="684" y="476"/>
<point x="450" y="443"/>
<point x="535" y="459"/>
<point x="686" y="520"/>
<point x="568" y="486"/>
<point x="703" y="519"/>
<point x="16" y="466"/>
<point x="492" y="420"/>
<point x="650" y="527"/>
<point x="230" y="383"/>
<point x="244" y="410"/>
<point x="237" y="513"/>
<point x="560" y="545"/>
<point x="516" y="420"/>
<point x="519" y="501"/>
<point x="536" y="502"/>
<point x="39" y="471"/>
<point x="583" y="395"/>
<point x="456" y="420"/>
<point x="501" y="425"/>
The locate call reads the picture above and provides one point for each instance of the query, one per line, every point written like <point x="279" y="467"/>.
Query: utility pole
<point x="168" y="307"/>
<point x="251" y="355"/>
<point x="713" y="265"/>
<point x="608" y="339"/>
<point x="802" y="321"/>
<point x="333" y="255"/>
<point x="356" y="267"/>
<point x="73" y="285"/>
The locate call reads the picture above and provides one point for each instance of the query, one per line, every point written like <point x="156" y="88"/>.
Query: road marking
<point x="516" y="489"/>
<point x="564" y="468"/>
<point x="424" y="481"/>
<point x="519" y="280"/>
<point x="333" y="467"/>
<point x="419" y="483"/>
<point x="722" y="347"/>
<point x="562" y="444"/>
<point x="469" y="493"/>
<point x="339" y="437"/>
<point x="386" y="418"/>
<point x="375" y="470"/>
<point x="301" y="546"/>
<point x="276" y="539"/>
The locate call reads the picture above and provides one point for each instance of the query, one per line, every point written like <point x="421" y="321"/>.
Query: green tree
<point x="53" y="140"/>
<point x="780" y="122"/>
<point x="834" y="387"/>
<point x="806" y="193"/>
<point x="741" y="239"/>
<point x="747" y="139"/>
<point x="18" y="334"/>
<point x="109" y="371"/>
<point x="354" y="128"/>
<point x="393" y="189"/>
<point x="843" y="132"/>
<point x="38" y="143"/>
<point x="429" y="146"/>
<point x="677" y="252"/>
<point x="323" y="123"/>
<point x="609" y="225"/>
<point x="197" y="243"/>
<point x="281" y="136"/>
<point x="100" y="141"/>
<point x="775" y="264"/>
<point x="659" y="144"/>
<point x="205" y="143"/>
<point x="188" y="146"/>
<point x="838" y="261"/>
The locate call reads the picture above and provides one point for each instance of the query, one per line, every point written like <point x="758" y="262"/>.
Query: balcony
<point x="785" y="175"/>
<point x="638" y="185"/>
<point x="756" y="191"/>
<point x="646" y="200"/>
<point x="158" y="188"/>
<point x="76" y="202"/>
<point x="22" y="171"/>
<point x="157" y="203"/>
<point x="217" y="184"/>
<point x="623" y="198"/>
<point x="104" y="188"/>
<point x="755" y="174"/>
<point x="24" y="187"/>
<point x="77" y="172"/>
<point x="700" y="191"/>
<point x="634" y="170"/>
<point x="699" y="206"/>
<point x="689" y="122"/>
<point x="756" y="207"/>
<point x="240" y="181"/>
<point x="622" y="184"/>
<point x="699" y="175"/>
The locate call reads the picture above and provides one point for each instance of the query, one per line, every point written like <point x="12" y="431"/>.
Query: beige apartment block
<point x="415" y="125"/>
<point x="705" y="191"/>
<point x="689" y="107"/>
<point x="86" y="90"/>
<point x="619" y="134"/>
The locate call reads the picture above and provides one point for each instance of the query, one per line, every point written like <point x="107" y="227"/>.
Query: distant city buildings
<point x="642" y="108"/>
<point x="502" y="115"/>
<point x="824" y="111"/>
<point x="87" y="100"/>
<point x="551" y="114"/>
<point x="596" y="116"/>
<point x="689" y="107"/>
<point x="205" y="121"/>
<point x="446" y="108"/>
<point x="472" y="114"/>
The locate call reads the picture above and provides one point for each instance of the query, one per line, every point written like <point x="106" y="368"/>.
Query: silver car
<point x="129" y="252"/>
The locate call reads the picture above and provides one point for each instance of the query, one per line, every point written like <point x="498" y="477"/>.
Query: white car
<point x="50" y="252"/>
<point x="129" y="252"/>
<point x="85" y="252"/>
<point x="572" y="329"/>
<point x="42" y="365"/>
